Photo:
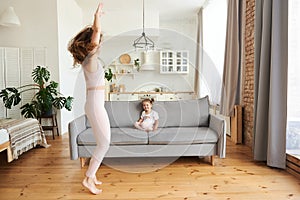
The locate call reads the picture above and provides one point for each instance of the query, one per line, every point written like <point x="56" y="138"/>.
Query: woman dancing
<point x="85" y="50"/>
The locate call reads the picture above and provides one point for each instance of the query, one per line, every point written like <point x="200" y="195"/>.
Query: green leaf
<point x="11" y="98"/>
<point x="46" y="97"/>
<point x="3" y="94"/>
<point x="52" y="88"/>
<point x="108" y="75"/>
<point x="59" y="102"/>
<point x="40" y="75"/>
<point x="69" y="103"/>
<point x="30" y="110"/>
<point x="12" y="89"/>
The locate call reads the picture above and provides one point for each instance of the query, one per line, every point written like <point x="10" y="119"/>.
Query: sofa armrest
<point x="218" y="124"/>
<point x="75" y="127"/>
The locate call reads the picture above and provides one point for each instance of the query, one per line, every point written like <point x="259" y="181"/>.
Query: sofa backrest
<point x="183" y="113"/>
<point x="171" y="113"/>
<point x="123" y="113"/>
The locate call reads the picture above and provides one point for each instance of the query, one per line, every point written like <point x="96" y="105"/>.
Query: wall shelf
<point x="124" y="74"/>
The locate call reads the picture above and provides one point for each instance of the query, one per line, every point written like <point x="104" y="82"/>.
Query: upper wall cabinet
<point x="174" y="62"/>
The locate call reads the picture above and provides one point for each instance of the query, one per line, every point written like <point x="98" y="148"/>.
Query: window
<point x="293" y="115"/>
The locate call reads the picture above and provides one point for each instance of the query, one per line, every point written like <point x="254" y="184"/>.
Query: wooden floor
<point x="50" y="174"/>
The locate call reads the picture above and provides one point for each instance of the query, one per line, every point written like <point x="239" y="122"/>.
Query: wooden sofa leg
<point x="9" y="154"/>
<point x="82" y="162"/>
<point x="210" y="160"/>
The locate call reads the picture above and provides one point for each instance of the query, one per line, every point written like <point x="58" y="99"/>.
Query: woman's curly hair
<point x="80" y="46"/>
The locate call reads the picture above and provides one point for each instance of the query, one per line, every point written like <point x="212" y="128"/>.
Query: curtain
<point x="199" y="52"/>
<point x="270" y="99"/>
<point x="231" y="72"/>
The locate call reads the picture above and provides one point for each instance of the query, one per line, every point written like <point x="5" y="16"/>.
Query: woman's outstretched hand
<point x="97" y="26"/>
<point x="99" y="10"/>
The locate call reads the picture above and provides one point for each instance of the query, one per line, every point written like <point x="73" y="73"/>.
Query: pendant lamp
<point x="9" y="18"/>
<point x="143" y="42"/>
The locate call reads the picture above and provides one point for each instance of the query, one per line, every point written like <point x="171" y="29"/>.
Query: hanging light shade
<point x="143" y="42"/>
<point x="9" y="18"/>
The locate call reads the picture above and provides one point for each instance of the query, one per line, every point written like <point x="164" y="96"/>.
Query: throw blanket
<point x="24" y="135"/>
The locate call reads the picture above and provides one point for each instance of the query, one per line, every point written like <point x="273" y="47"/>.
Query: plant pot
<point x="47" y="113"/>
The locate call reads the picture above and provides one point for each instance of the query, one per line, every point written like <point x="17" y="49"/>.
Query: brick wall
<point x="248" y="71"/>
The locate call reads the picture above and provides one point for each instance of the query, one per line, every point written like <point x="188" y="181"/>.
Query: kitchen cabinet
<point x="185" y="96"/>
<point x="166" y="97"/>
<point x="123" y="97"/>
<point x="157" y="96"/>
<point x="174" y="62"/>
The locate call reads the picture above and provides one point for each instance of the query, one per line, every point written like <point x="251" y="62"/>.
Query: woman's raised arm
<point x="97" y="25"/>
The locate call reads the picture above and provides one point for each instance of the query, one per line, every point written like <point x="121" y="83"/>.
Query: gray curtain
<point x="231" y="72"/>
<point x="199" y="53"/>
<point x="271" y="63"/>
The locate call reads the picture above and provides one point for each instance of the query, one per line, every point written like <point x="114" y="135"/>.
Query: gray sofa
<point x="185" y="129"/>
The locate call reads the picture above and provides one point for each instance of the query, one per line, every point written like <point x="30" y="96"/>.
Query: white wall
<point x="214" y="34"/>
<point x="38" y="29"/>
<point x="113" y="47"/>
<point x="186" y="26"/>
<point x="69" y="23"/>
<point x="46" y="24"/>
<point x="119" y="20"/>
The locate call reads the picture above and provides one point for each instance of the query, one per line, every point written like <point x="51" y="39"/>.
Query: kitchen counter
<point x="141" y="92"/>
<point x="158" y="96"/>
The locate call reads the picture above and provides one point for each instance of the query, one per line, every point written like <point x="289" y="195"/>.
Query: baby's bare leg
<point x="138" y="126"/>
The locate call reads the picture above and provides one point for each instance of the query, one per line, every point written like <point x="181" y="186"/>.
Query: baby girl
<point x="149" y="118"/>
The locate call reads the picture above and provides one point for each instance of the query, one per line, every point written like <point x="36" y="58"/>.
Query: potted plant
<point x="108" y="74"/>
<point x="137" y="64"/>
<point x="45" y="98"/>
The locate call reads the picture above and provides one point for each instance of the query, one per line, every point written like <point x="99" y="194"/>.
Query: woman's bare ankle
<point x="88" y="182"/>
<point x="96" y="181"/>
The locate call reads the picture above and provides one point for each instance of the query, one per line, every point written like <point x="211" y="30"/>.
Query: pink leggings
<point x="98" y="118"/>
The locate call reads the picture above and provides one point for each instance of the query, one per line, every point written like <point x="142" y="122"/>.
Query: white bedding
<point x="24" y="134"/>
<point x="4" y="137"/>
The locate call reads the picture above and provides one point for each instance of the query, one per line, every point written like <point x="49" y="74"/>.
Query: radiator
<point x="233" y="124"/>
<point x="236" y="125"/>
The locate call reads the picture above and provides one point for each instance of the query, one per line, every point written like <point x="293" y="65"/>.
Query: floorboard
<point x="42" y="174"/>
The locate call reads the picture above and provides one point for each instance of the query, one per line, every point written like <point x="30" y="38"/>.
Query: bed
<point x="20" y="135"/>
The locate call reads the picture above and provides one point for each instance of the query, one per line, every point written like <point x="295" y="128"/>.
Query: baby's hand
<point x="149" y="129"/>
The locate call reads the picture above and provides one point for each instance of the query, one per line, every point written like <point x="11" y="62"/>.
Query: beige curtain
<point x="231" y="72"/>
<point x="199" y="53"/>
<point x="271" y="65"/>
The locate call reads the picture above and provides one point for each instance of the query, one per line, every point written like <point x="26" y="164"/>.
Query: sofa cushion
<point x="131" y="136"/>
<point x="118" y="136"/>
<point x="187" y="113"/>
<point x="123" y="113"/>
<point x="183" y="135"/>
<point x="86" y="137"/>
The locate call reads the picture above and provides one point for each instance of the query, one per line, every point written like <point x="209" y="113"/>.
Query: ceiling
<point x="167" y="9"/>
